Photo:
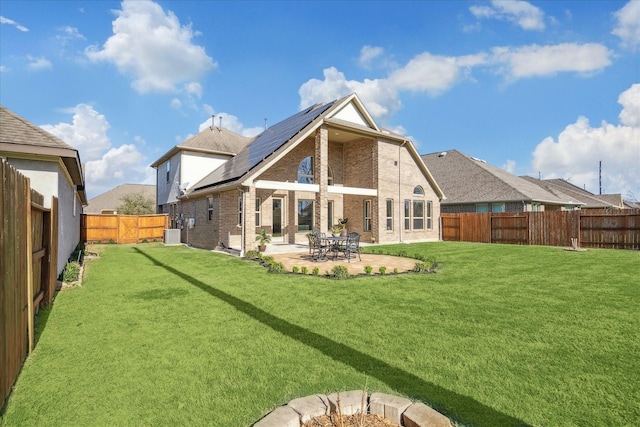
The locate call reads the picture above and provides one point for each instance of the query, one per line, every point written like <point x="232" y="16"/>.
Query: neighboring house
<point x="565" y="189"/>
<point x="327" y="162"/>
<point x="53" y="168"/>
<point x="187" y="163"/>
<point x="473" y="185"/>
<point x="108" y="202"/>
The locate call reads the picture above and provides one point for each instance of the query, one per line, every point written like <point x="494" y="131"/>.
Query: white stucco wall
<point x="50" y="179"/>
<point x="196" y="166"/>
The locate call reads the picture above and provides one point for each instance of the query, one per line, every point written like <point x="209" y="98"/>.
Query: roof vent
<point x="444" y="153"/>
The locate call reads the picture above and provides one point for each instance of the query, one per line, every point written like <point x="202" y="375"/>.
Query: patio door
<point x="277" y="216"/>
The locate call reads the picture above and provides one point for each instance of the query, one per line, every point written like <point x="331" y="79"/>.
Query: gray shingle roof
<point x="18" y="135"/>
<point x="211" y="140"/>
<point x="465" y="179"/>
<point x="110" y="200"/>
<point x="590" y="200"/>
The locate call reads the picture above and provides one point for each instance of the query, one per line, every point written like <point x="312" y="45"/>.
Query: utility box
<point x="172" y="236"/>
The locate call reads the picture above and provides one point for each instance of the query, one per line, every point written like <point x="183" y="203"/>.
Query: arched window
<point x="305" y="171"/>
<point x="418" y="191"/>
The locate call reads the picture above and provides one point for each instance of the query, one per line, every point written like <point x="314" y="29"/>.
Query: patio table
<point x="334" y="244"/>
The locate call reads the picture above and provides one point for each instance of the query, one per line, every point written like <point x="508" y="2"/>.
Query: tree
<point x="136" y="204"/>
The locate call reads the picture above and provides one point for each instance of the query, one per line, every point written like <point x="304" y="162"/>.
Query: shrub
<point x="251" y="254"/>
<point x="395" y="270"/>
<point x="112" y="242"/>
<point x="315" y="271"/>
<point x="304" y="270"/>
<point x="383" y="270"/>
<point x="295" y="269"/>
<point x="145" y="241"/>
<point x="340" y="272"/>
<point x="368" y="269"/>
<point x="276" y="267"/>
<point x="428" y="266"/>
<point x="71" y="272"/>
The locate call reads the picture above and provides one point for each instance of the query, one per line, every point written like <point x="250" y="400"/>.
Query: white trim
<point x="315" y="188"/>
<point x="356" y="191"/>
<point x="279" y="185"/>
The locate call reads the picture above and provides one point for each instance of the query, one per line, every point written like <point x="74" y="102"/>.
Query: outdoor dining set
<point x="321" y="246"/>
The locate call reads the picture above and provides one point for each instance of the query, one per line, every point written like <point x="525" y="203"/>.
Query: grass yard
<point x="499" y="336"/>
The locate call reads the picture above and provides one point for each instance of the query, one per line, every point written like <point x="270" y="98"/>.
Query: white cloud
<point x="536" y="61"/>
<point x="521" y="13"/>
<point x="8" y="21"/>
<point x="105" y="167"/>
<point x="368" y="54"/>
<point x="580" y="147"/>
<point x="154" y="48"/>
<point x="509" y="166"/>
<point x="38" y="64"/>
<point x="68" y="33"/>
<point x="628" y="24"/>
<point x="176" y="103"/>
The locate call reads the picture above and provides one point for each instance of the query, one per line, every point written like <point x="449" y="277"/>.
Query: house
<point x="566" y="189"/>
<point x="54" y="170"/>
<point x="327" y="162"/>
<point x="108" y="202"/>
<point x="473" y="185"/>
<point x="187" y="163"/>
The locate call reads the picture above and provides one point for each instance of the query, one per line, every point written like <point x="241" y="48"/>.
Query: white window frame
<point x="389" y="209"/>
<point x="240" y="210"/>
<point x="418" y="221"/>
<point x="209" y="208"/>
<point x="304" y="177"/>
<point x="258" y="216"/>
<point x="407" y="214"/>
<point x="366" y="213"/>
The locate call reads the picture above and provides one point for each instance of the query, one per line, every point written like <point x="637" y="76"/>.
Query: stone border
<point x="396" y="409"/>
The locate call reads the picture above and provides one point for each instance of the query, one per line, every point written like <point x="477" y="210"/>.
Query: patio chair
<point x="352" y="246"/>
<point x="317" y="247"/>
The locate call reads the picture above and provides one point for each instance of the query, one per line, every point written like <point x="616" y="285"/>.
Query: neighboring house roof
<point x="347" y="114"/>
<point x="17" y="135"/>
<point x="212" y="140"/>
<point x="465" y="180"/>
<point x="565" y="188"/>
<point x="110" y="200"/>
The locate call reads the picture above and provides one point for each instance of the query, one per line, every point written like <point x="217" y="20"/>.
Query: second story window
<point x="168" y="170"/>
<point x="305" y="171"/>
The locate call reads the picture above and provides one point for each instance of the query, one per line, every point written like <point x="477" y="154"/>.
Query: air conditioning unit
<point x="172" y="236"/>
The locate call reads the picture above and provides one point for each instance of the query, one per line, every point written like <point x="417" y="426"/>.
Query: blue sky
<point x="545" y="88"/>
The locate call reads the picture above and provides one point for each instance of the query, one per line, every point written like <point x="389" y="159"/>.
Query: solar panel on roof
<point x="264" y="145"/>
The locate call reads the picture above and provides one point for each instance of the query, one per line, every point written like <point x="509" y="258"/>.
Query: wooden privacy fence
<point x="123" y="228"/>
<point x="614" y="229"/>
<point x="28" y="269"/>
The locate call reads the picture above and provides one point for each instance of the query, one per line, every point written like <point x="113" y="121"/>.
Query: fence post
<point x="29" y="255"/>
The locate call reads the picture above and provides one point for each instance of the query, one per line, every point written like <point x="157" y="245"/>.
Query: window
<point x="429" y="215"/>
<point x="257" y="211"/>
<point x="389" y="214"/>
<point x="305" y="171"/>
<point x="329" y="176"/>
<point x="367" y="215"/>
<point x="305" y="215"/>
<point x="330" y="213"/>
<point x="240" y="210"/>
<point x="418" y="215"/>
<point x="418" y="191"/>
<point x="209" y="208"/>
<point x="168" y="169"/>
<point x="497" y="207"/>
<point x="407" y="215"/>
<point x="482" y="207"/>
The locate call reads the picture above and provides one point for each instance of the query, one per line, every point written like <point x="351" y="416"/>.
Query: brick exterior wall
<point x="367" y="163"/>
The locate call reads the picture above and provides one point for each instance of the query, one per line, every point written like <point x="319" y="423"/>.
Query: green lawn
<point x="500" y="335"/>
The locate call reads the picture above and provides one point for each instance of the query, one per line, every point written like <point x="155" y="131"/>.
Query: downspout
<point x="400" y="201"/>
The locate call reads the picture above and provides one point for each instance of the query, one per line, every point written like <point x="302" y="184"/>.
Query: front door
<point x="277" y="219"/>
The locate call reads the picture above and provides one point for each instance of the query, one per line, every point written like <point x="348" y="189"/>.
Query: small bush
<point x="315" y="271"/>
<point x="428" y="266"/>
<point x="71" y="272"/>
<point x="145" y="241"/>
<point x="251" y="254"/>
<point x="368" y="269"/>
<point x="112" y="242"/>
<point x="395" y="270"/>
<point x="383" y="270"/>
<point x="304" y="270"/>
<point x="295" y="269"/>
<point x="267" y="260"/>
<point x="340" y="272"/>
<point x="276" y="267"/>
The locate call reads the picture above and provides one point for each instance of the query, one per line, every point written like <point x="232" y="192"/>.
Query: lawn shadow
<point x="451" y="404"/>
